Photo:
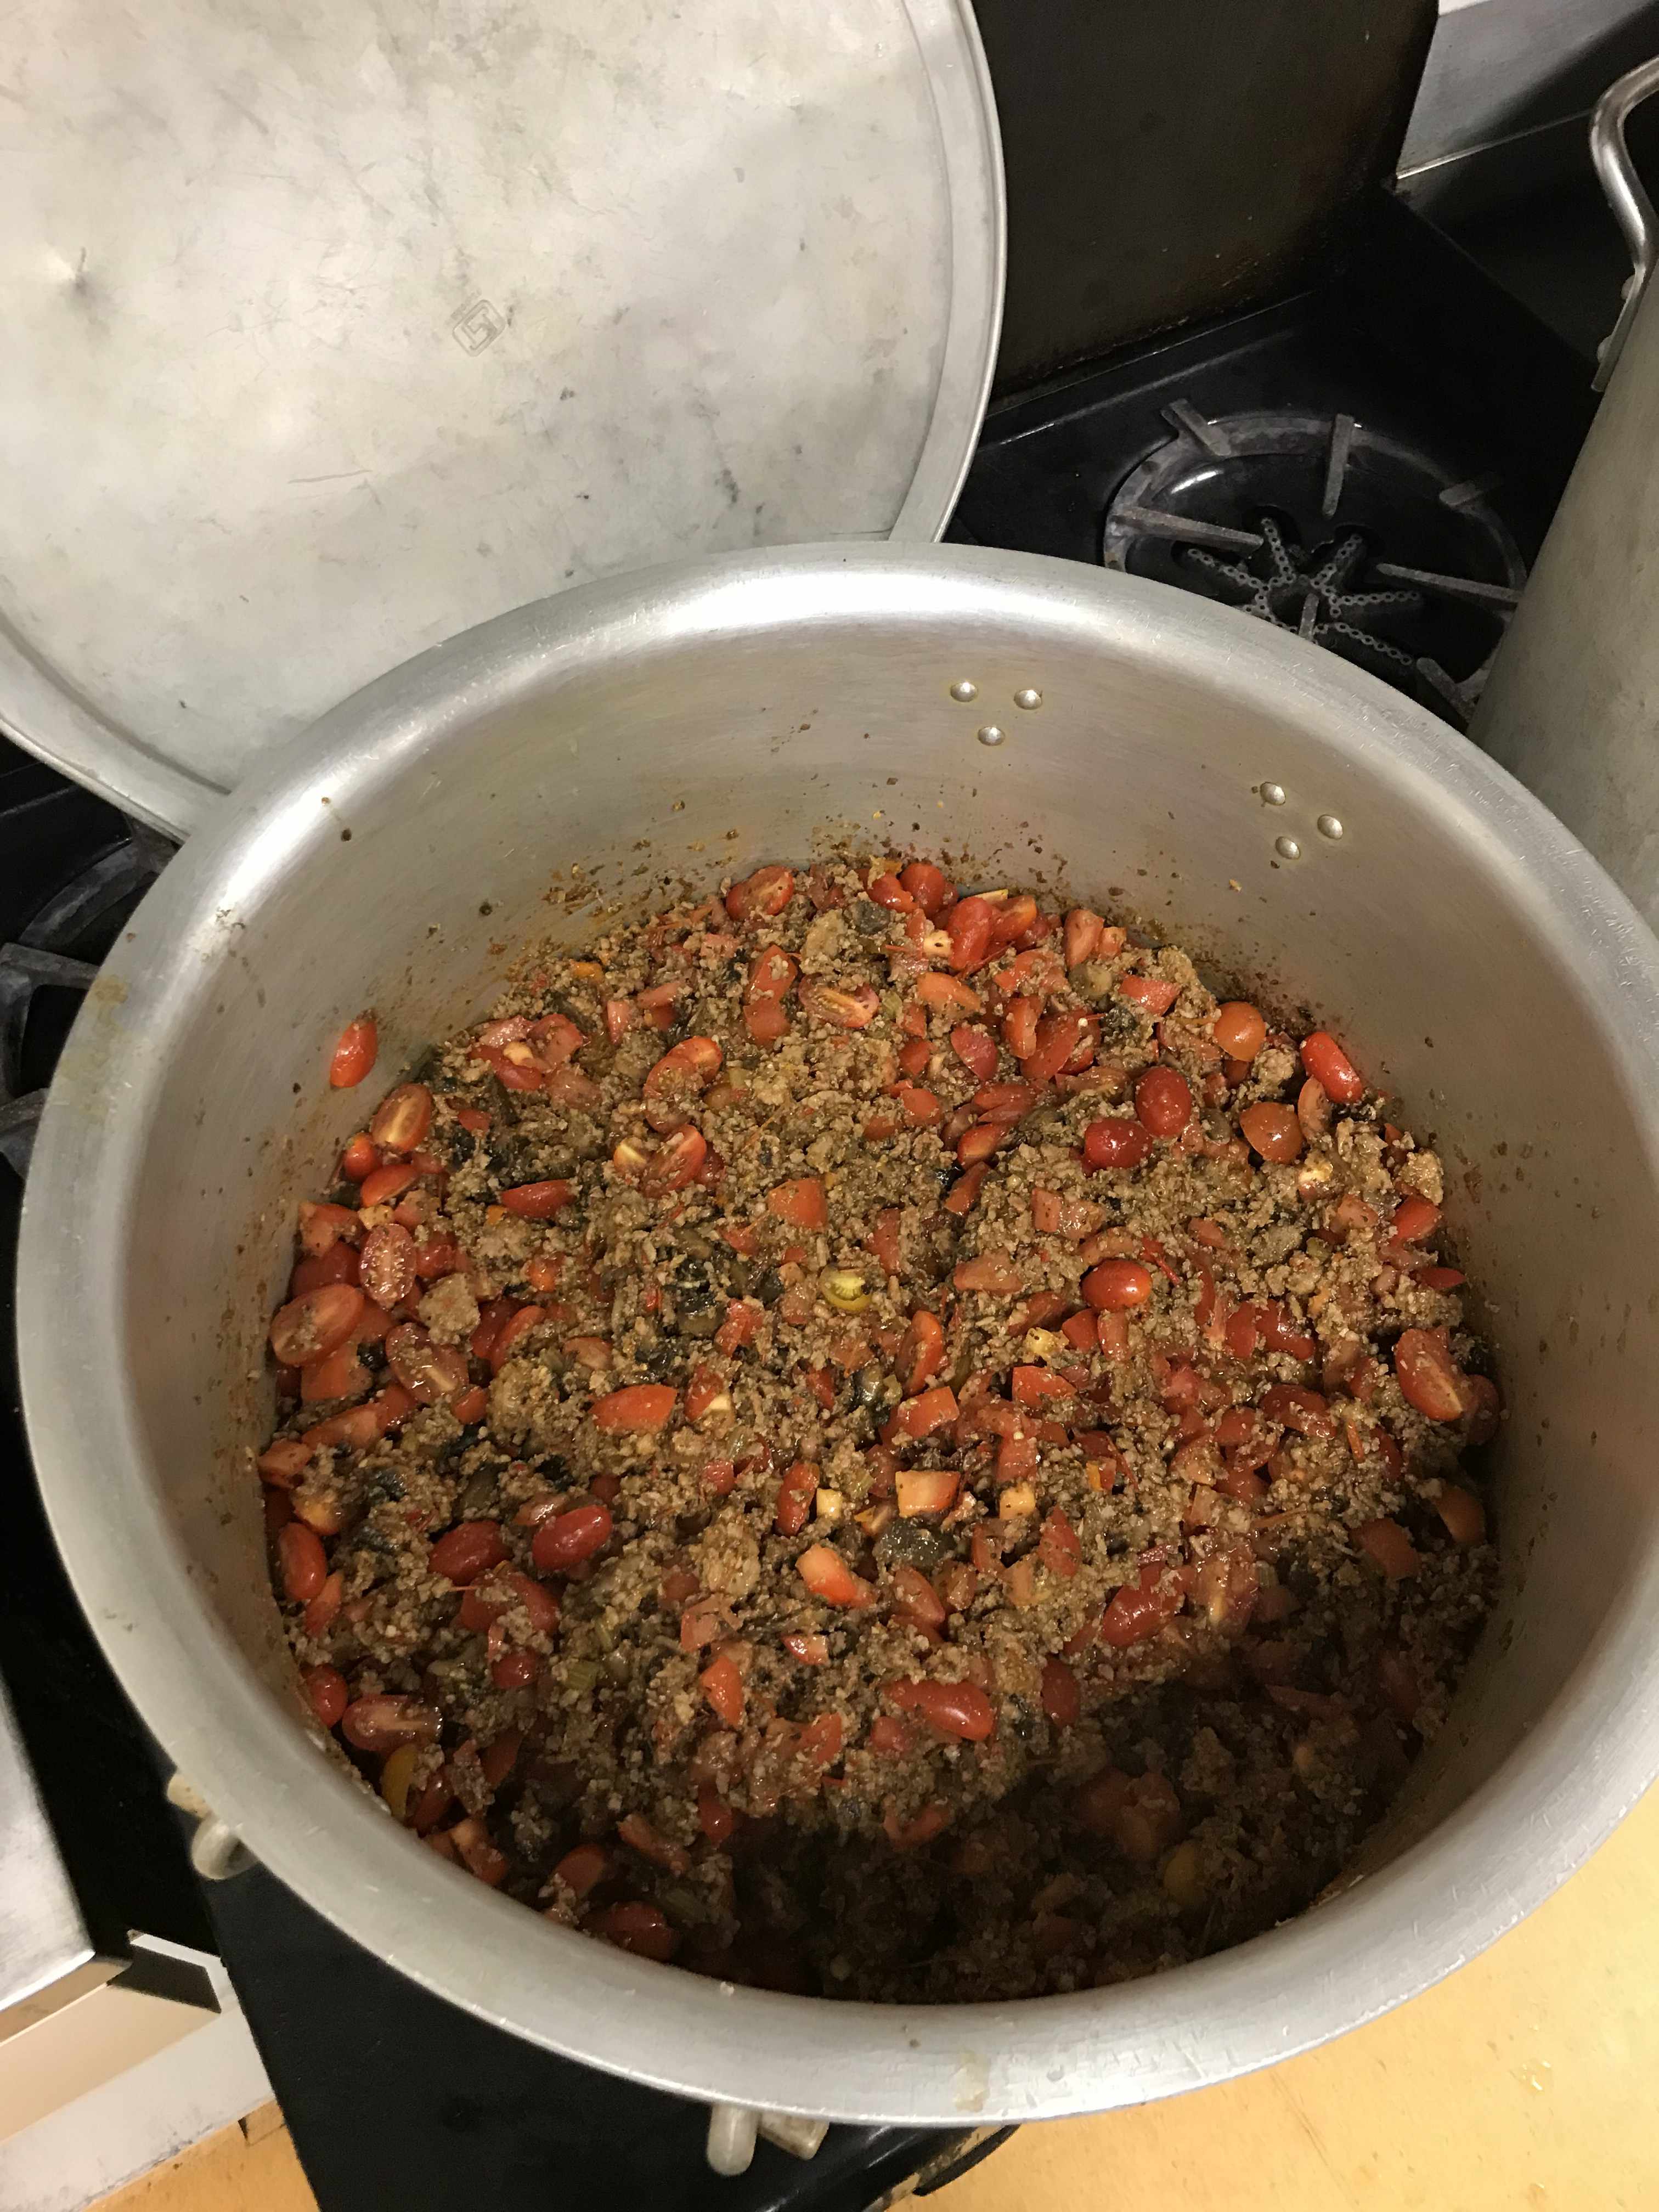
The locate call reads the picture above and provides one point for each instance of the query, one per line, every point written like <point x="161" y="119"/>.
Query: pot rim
<point x="1554" y="1799"/>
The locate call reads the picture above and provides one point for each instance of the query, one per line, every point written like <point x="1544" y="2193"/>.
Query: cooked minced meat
<point x="881" y="1444"/>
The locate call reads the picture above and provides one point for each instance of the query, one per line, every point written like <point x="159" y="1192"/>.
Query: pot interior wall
<point x="553" y="784"/>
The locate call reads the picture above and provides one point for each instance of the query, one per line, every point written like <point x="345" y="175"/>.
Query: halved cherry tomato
<point x="1164" y="1102"/>
<point x="969" y="925"/>
<point x="302" y="1562"/>
<point x="326" y="1688"/>
<point x="539" y="1202"/>
<point x="1332" y="1069"/>
<point x="927" y="886"/>
<point x="353" y="1054"/>
<point x="1273" y="1131"/>
<point x="1117" y="1286"/>
<point x="680" y="1159"/>
<point x="1239" y="1030"/>
<point x="512" y="1333"/>
<point x="955" y="1709"/>
<point x="361" y="1158"/>
<point x="403" y="1118"/>
<point x="310" y="1327"/>
<point x="566" y="1538"/>
<point x="1059" y="1038"/>
<point x="885" y="889"/>
<point x="467" y="1551"/>
<point x="1115" y="1144"/>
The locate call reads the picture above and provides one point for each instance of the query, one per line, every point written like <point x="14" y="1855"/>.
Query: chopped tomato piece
<point x="828" y="1576"/>
<point x="1387" y="1545"/>
<point x="795" y="1495"/>
<point x="1137" y="1611"/>
<point x="1082" y="937"/>
<point x="762" y="896"/>
<point x="1150" y="992"/>
<point x="994" y="1273"/>
<point x="963" y="1192"/>
<point x="1062" y="1700"/>
<point x="922" y="1351"/>
<point x="722" y="1685"/>
<point x="927" y="886"/>
<point x="919" y="1416"/>
<point x="641" y="1406"/>
<point x="802" y="1203"/>
<point x="1428" y="1374"/>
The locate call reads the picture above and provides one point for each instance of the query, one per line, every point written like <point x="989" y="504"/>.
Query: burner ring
<point x="1278" y="512"/>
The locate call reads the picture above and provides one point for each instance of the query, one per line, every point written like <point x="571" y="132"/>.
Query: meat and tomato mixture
<point x="880" y="1442"/>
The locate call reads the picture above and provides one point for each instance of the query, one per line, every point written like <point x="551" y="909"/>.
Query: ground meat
<point x="879" y="1443"/>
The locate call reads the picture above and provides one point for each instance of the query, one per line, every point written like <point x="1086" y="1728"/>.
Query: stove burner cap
<point x="1315" y="524"/>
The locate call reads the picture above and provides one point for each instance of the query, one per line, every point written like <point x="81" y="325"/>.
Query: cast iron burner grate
<point x="45" y="971"/>
<point x="1352" y="539"/>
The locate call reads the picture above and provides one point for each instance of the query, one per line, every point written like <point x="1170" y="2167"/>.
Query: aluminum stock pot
<point x="1290" y="818"/>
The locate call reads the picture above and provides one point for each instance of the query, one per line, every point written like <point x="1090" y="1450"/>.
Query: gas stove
<point x="1370" y="464"/>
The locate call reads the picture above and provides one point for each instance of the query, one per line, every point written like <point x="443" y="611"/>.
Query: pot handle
<point x="1628" y="199"/>
<point x="217" y="1851"/>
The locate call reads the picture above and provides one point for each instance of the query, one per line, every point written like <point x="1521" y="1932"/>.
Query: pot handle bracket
<point x="732" y="2130"/>
<point x="217" y="1851"/>
<point x="1628" y="199"/>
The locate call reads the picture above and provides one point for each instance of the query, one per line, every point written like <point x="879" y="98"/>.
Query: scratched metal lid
<point x="331" y="330"/>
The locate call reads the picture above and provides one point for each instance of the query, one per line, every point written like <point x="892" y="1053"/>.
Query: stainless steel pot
<point x="1271" y="804"/>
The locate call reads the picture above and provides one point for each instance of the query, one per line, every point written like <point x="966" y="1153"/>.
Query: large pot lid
<point x="334" y="330"/>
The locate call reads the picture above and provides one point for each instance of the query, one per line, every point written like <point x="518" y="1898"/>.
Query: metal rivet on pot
<point x="1030" y="696"/>
<point x="1272" y="794"/>
<point x="1330" y="827"/>
<point x="1287" y="848"/>
<point x="990" y="735"/>
<point x="964" y="689"/>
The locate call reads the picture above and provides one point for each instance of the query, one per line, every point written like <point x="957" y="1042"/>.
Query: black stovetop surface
<point x="392" y="2096"/>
